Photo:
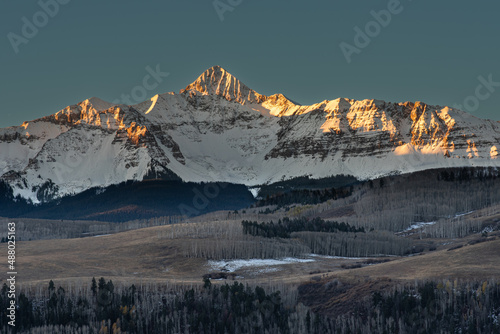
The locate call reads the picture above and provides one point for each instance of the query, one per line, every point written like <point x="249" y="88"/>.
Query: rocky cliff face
<point x="218" y="129"/>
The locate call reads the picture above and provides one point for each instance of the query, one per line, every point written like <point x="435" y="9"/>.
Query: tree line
<point x="224" y="240"/>
<point x="131" y="200"/>
<point x="304" y="196"/>
<point x="446" y="306"/>
<point x="41" y="229"/>
<point x="426" y="307"/>
<point x="285" y="227"/>
<point x="205" y="308"/>
<point x="373" y="243"/>
<point x="395" y="202"/>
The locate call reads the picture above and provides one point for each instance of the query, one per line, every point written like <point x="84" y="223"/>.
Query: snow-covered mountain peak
<point x="96" y="103"/>
<point x="218" y="129"/>
<point x="218" y="81"/>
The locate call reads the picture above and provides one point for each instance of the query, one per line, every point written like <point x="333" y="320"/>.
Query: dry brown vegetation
<point x="43" y="229"/>
<point x="135" y="255"/>
<point x="176" y="256"/>
<point x="479" y="261"/>
<point x="166" y="253"/>
<point x="175" y="253"/>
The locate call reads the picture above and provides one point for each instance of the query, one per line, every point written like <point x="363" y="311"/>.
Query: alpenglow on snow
<point x="218" y="129"/>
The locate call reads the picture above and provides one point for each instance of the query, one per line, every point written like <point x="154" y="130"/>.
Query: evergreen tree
<point x="93" y="287"/>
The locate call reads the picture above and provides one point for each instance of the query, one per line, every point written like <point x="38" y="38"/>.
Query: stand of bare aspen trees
<point x="454" y="205"/>
<point x="445" y="306"/>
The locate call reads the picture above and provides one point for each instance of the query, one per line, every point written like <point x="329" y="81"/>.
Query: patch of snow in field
<point x="415" y="226"/>
<point x="100" y="235"/>
<point x="487" y="229"/>
<point x="337" y="257"/>
<point x="463" y="214"/>
<point x="266" y="270"/>
<point x="419" y="225"/>
<point x="233" y="265"/>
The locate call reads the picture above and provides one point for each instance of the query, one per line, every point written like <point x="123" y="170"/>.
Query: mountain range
<point x="219" y="130"/>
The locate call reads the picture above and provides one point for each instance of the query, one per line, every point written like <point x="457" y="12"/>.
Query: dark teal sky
<point x="431" y="51"/>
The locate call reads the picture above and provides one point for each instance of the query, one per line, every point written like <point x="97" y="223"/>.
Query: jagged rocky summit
<point x="218" y="129"/>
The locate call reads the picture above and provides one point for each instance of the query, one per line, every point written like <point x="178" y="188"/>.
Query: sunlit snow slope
<point x="218" y="129"/>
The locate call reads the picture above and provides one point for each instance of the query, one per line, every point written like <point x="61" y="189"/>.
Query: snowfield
<point x="219" y="130"/>
<point x="415" y="226"/>
<point x="234" y="265"/>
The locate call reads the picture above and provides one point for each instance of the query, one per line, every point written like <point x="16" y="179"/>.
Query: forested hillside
<point x="133" y="200"/>
<point x="422" y="307"/>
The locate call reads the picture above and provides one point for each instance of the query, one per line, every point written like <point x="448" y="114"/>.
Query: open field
<point x="166" y="263"/>
<point x="479" y="261"/>
<point x="159" y="254"/>
<point x="134" y="256"/>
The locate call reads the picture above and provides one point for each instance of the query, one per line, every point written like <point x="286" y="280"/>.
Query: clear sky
<point x="440" y="52"/>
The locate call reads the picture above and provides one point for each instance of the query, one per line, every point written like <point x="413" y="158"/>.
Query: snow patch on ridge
<point x="154" y="99"/>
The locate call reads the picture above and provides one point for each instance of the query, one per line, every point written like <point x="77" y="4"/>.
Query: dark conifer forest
<point x="101" y="307"/>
